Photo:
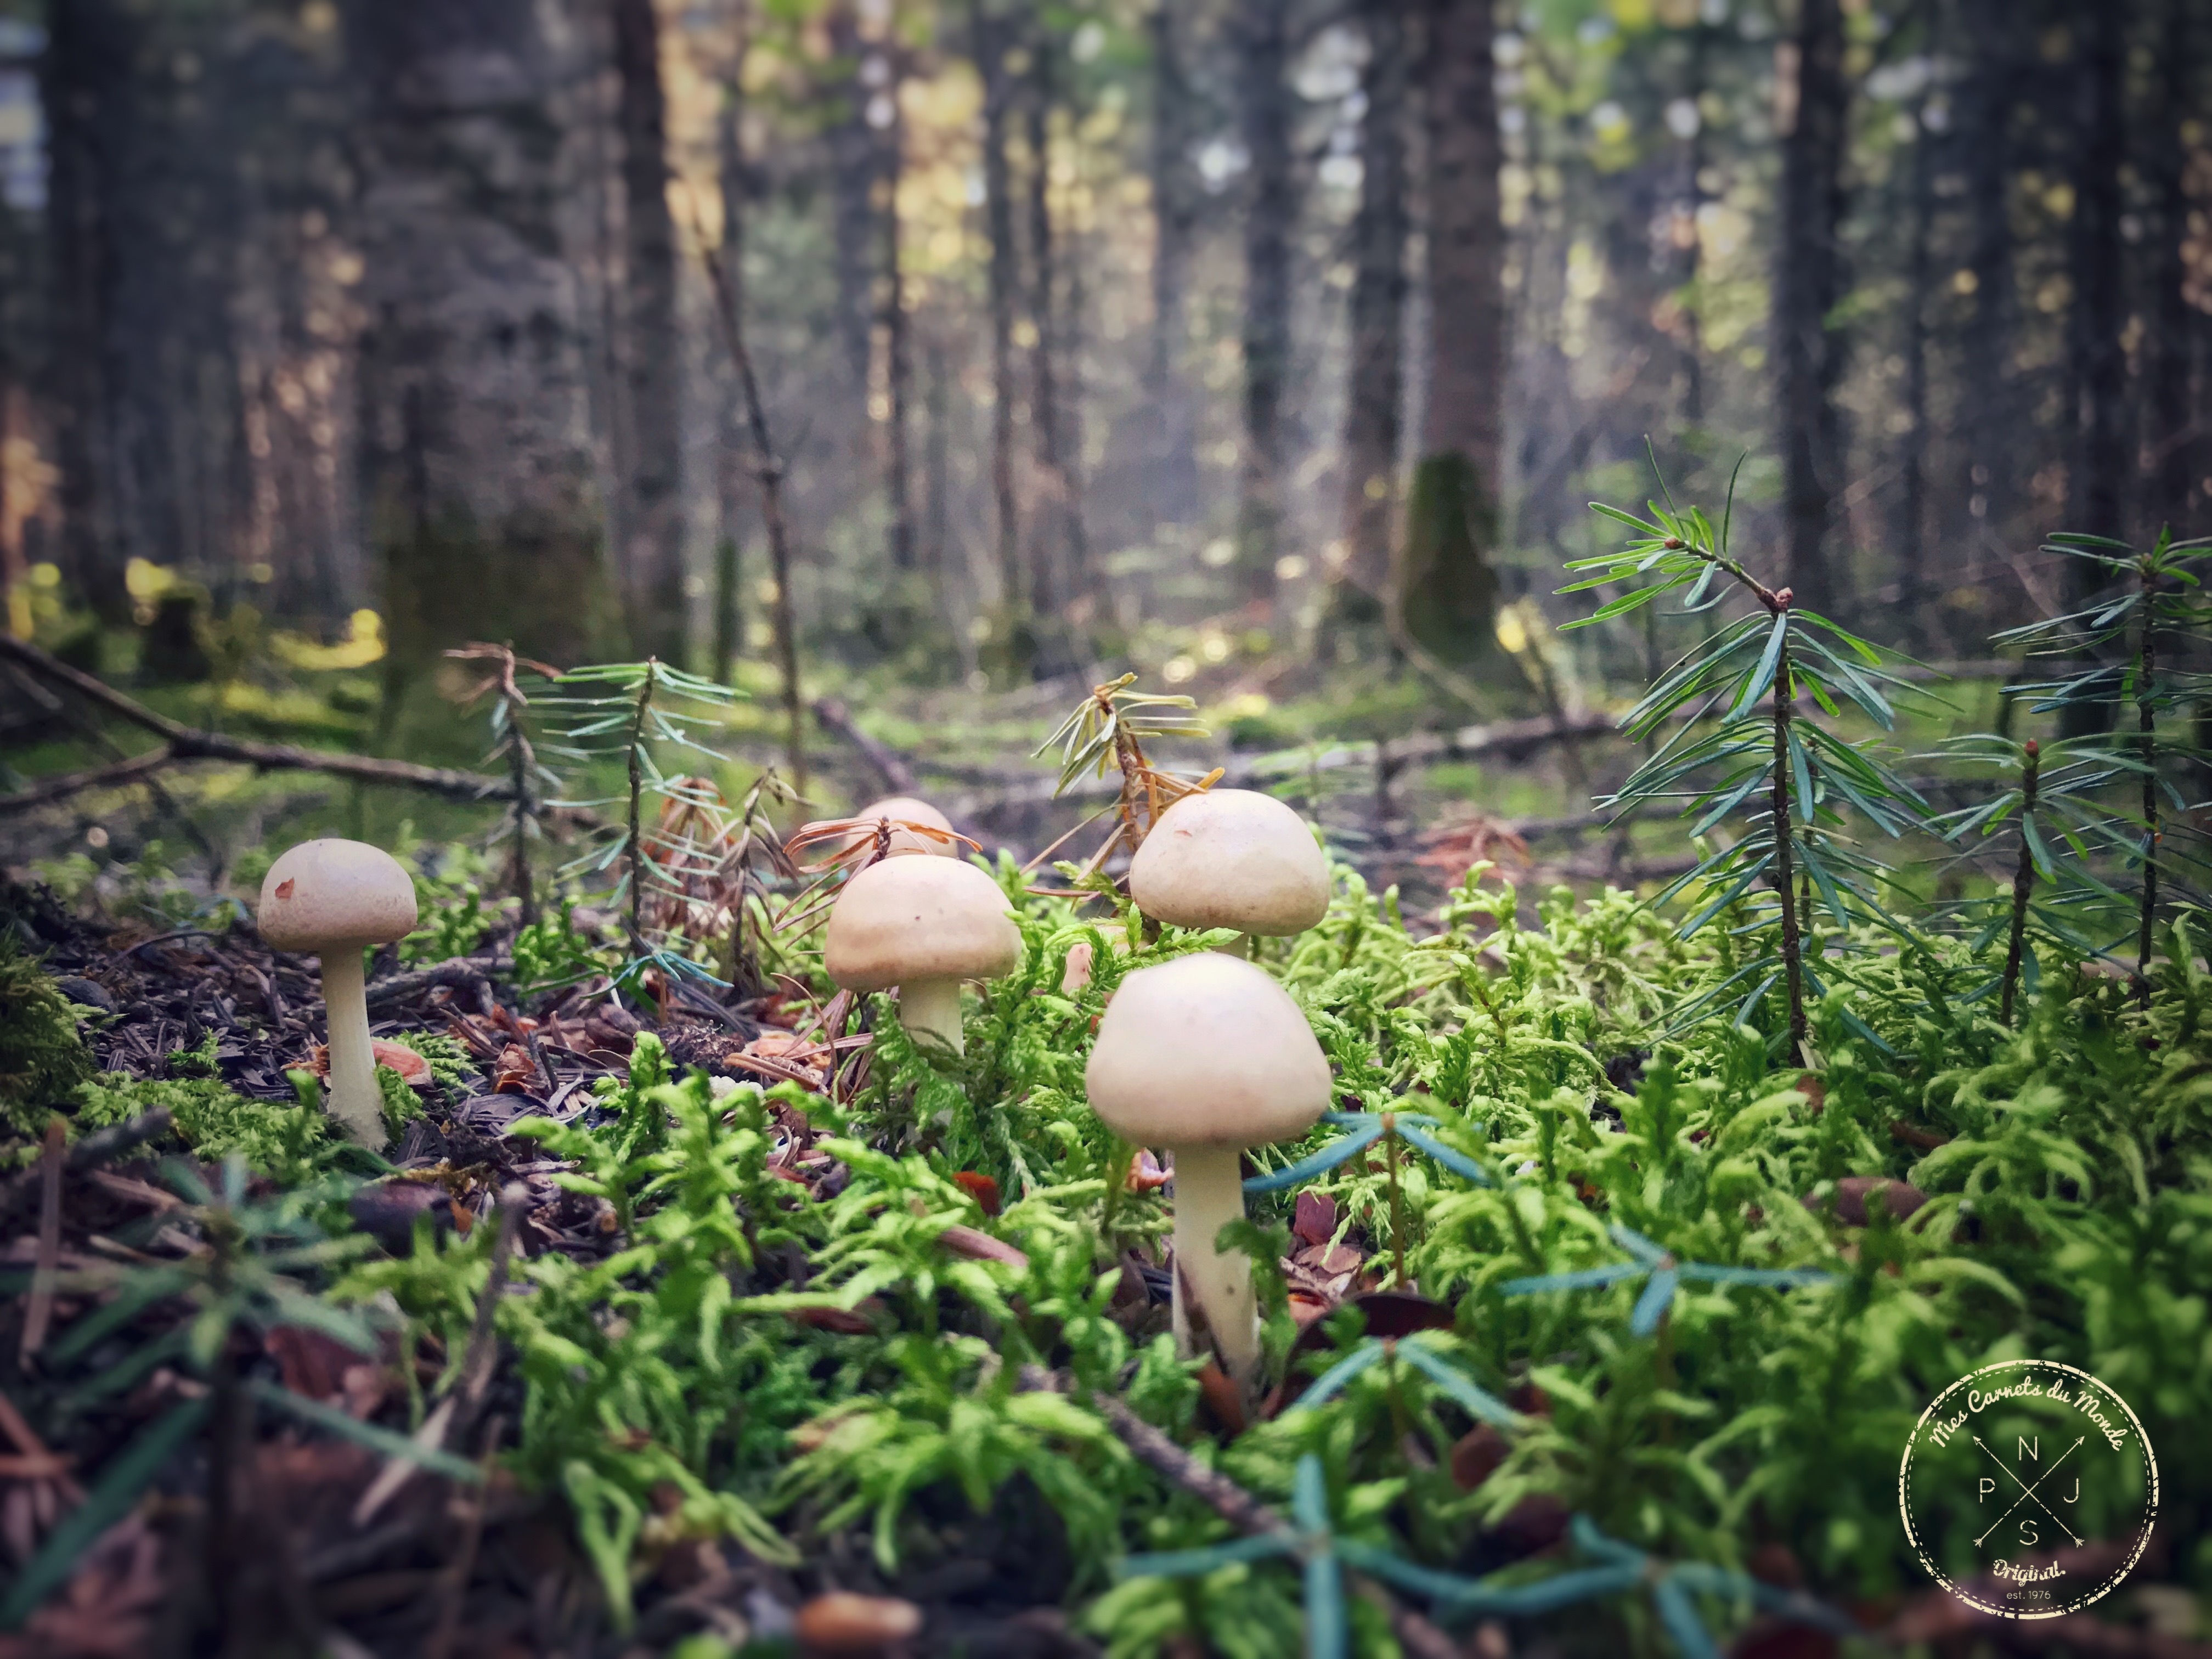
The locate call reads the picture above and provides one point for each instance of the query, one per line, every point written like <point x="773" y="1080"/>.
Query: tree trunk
<point x="1173" y="449"/>
<point x="2096" y="363"/>
<point x="1377" y="324"/>
<point x="1061" y="562"/>
<point x="1913" y="586"/>
<point x="735" y="187"/>
<point x="2173" y="442"/>
<point x="87" y="68"/>
<point x="653" y="517"/>
<point x="991" y="44"/>
<point x="1447" y="593"/>
<point x="1985" y="145"/>
<point x="898" y="369"/>
<point x="1270" y="216"/>
<point x="855" y="165"/>
<point x="476" y="457"/>
<point x="1812" y="98"/>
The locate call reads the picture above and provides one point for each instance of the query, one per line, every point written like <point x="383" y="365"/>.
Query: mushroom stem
<point x="1240" y="947"/>
<point x="1209" y="1194"/>
<point x="931" y="1007"/>
<point x="355" y="1102"/>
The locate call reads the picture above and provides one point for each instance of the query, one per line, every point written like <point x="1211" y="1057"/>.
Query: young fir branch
<point x="630" y="710"/>
<point x="511" y="742"/>
<point x="2152" y="596"/>
<point x="1109" y="728"/>
<point x="1740" y="743"/>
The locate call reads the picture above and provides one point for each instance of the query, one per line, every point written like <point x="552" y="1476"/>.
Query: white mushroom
<point x="1206" y="1055"/>
<point x="922" y="925"/>
<point x="336" y="898"/>
<point x="1232" y="858"/>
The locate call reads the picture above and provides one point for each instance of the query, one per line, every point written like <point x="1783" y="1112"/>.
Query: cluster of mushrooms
<point x="1203" y="1056"/>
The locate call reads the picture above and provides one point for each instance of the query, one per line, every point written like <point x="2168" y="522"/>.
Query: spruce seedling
<point x="1790" y="774"/>
<point x="2154" y="604"/>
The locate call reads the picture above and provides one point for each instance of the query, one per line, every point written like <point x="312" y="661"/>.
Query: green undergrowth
<point x="751" y="1362"/>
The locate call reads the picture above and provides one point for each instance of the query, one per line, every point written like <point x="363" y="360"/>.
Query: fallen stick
<point x="41" y="1312"/>
<point x="93" y="1148"/>
<point x="458" y="972"/>
<point x="46" y="791"/>
<point x="188" y="742"/>
<point x="890" y="764"/>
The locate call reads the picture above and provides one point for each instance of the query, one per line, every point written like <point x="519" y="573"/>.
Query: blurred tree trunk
<point x="1913" y="585"/>
<point x="855" y="165"/>
<point x="898" y="368"/>
<point x="1813" y="104"/>
<point x="1447" y="593"/>
<point x="991" y="46"/>
<point x="1270" y="216"/>
<point x="2173" y="439"/>
<point x="86" y="72"/>
<point x="477" y="465"/>
<point x="1173" y="470"/>
<point x="1059" y="574"/>
<point x="2096" y="361"/>
<point x="1985" y="145"/>
<point x="651" y="565"/>
<point x="730" y="435"/>
<point x="1377" y="324"/>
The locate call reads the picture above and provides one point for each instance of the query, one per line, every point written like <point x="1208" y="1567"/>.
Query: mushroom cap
<point x="1206" y="1050"/>
<point x="908" y="809"/>
<point x="336" y="893"/>
<point x="1232" y="858"/>
<point x="916" y="919"/>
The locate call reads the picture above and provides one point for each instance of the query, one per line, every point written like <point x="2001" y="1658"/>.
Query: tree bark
<point x="1807" y="284"/>
<point x="653" y="518"/>
<point x="477" y="458"/>
<point x="86" y="69"/>
<point x="1058" y="566"/>
<point x="990" y="45"/>
<point x="1913" y="585"/>
<point x="1377" y="324"/>
<point x="1985" y="146"/>
<point x="898" y="366"/>
<point x="2096" y="363"/>
<point x="2173" y="441"/>
<point x="734" y="186"/>
<point x="1270" y="216"/>
<point x="855" y="166"/>
<point x="1173" y="449"/>
<point x="1446" y="592"/>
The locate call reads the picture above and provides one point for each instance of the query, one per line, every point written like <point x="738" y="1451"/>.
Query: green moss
<point x="42" y="1056"/>
<point x="282" y="1140"/>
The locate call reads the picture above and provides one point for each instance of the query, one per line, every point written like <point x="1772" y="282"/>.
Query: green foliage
<point x="42" y="1056"/>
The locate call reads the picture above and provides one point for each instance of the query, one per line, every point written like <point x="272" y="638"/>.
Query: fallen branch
<point x="460" y="973"/>
<point x="46" y="791"/>
<point x="188" y="742"/>
<point x="91" y="1150"/>
<point x="1468" y="742"/>
<point x="890" y="764"/>
<point x="41" y="1312"/>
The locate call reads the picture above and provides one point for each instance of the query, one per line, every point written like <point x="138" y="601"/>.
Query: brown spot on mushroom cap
<point x="1232" y="858"/>
<point x="913" y="919"/>
<point x="335" y="893"/>
<point x="1205" y="1050"/>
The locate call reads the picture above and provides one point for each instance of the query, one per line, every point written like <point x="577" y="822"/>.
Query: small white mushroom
<point x="1206" y="1055"/>
<point x="1232" y="858"/>
<point x="922" y="925"/>
<point x="336" y="898"/>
